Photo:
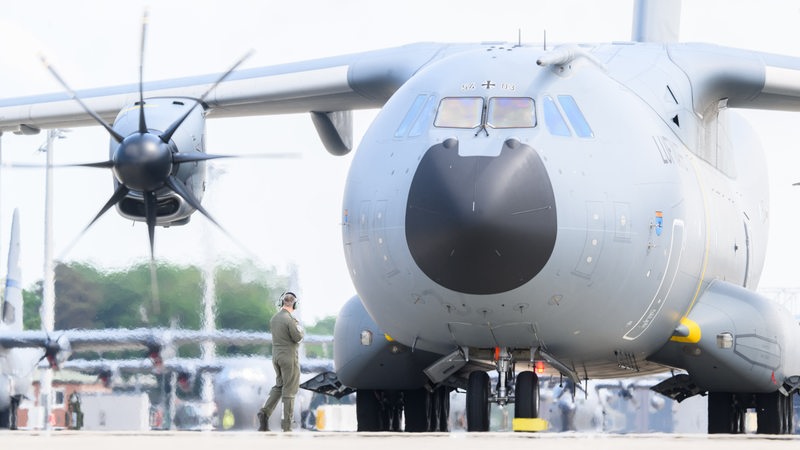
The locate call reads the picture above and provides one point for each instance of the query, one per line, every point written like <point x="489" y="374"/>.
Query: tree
<point x="87" y="297"/>
<point x="322" y="327"/>
<point x="31" y="304"/>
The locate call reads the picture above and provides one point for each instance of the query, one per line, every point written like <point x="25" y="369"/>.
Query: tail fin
<point x="11" y="318"/>
<point x="656" y="21"/>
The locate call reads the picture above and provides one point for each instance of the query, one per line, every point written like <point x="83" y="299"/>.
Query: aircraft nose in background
<point x="481" y="224"/>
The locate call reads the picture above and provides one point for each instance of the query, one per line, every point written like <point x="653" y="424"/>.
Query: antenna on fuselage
<point x="544" y="39"/>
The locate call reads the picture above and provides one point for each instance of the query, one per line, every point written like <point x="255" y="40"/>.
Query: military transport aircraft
<point x="597" y="208"/>
<point x="240" y="384"/>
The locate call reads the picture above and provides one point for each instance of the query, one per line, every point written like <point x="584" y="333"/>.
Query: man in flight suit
<point x="286" y="337"/>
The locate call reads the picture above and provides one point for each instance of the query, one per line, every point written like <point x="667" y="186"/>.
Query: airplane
<point x="598" y="208"/>
<point x="21" y="350"/>
<point x="16" y="364"/>
<point x="241" y="384"/>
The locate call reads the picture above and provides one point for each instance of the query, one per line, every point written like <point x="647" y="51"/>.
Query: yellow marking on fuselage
<point x="694" y="332"/>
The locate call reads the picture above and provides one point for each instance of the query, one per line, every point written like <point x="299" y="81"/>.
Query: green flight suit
<point x="286" y="337"/>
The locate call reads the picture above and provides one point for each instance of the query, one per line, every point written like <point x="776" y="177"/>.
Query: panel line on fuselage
<point x="706" y="251"/>
<point x="662" y="293"/>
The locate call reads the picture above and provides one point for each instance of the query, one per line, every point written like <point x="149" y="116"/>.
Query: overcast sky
<point x="289" y="211"/>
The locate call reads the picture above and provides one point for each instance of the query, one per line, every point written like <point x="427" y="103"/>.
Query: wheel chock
<point x="529" y="425"/>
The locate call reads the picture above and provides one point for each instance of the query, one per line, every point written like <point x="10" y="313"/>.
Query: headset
<point x="280" y="299"/>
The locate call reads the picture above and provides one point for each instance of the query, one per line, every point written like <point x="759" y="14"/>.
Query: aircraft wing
<point x="341" y="83"/>
<point x="181" y="365"/>
<point x="141" y="366"/>
<point x="123" y="339"/>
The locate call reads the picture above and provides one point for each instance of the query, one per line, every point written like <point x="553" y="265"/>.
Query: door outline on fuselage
<point x="667" y="281"/>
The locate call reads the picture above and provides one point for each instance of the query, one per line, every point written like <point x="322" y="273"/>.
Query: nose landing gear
<point x="521" y="389"/>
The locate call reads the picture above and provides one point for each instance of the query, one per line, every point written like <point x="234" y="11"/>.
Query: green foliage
<point x="323" y="326"/>
<point x="87" y="297"/>
<point x="31" y="302"/>
<point x="245" y="298"/>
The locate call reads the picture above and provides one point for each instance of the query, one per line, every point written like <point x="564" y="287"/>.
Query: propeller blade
<point x="118" y="195"/>
<point x="142" y="124"/>
<point x="179" y="188"/>
<point x="150" y="215"/>
<point x="154" y="287"/>
<point x="101" y="164"/>
<point x="117" y="137"/>
<point x="167" y="135"/>
<point x="178" y="158"/>
<point x="183" y="157"/>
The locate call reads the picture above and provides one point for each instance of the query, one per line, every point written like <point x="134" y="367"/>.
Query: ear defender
<point x="285" y="293"/>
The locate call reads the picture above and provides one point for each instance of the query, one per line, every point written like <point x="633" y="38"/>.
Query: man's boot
<point x="286" y="422"/>
<point x="263" y="420"/>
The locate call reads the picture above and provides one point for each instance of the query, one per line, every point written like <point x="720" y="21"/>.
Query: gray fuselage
<point x="588" y="234"/>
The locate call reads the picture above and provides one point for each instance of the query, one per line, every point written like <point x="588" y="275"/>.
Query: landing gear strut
<point x="522" y="390"/>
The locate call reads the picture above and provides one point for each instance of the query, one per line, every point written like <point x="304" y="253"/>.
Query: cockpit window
<point x="552" y="117"/>
<point x="411" y="116"/>
<point x="424" y="118"/>
<point x="511" y="112"/>
<point x="575" y="116"/>
<point x="459" y="112"/>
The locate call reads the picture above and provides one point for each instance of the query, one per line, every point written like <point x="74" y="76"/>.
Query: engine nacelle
<point x="366" y="358"/>
<point x="735" y="341"/>
<point x="172" y="209"/>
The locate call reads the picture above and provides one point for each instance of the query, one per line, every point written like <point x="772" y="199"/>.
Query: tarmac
<point x="210" y="440"/>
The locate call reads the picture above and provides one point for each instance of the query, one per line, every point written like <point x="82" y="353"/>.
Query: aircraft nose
<point x="481" y="224"/>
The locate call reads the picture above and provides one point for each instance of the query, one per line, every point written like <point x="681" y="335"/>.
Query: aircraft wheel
<point x="726" y="413"/>
<point x="442" y="402"/>
<point x="417" y="410"/>
<point x="368" y="410"/>
<point x="719" y="412"/>
<point x="775" y="413"/>
<point x="478" y="401"/>
<point x="526" y="403"/>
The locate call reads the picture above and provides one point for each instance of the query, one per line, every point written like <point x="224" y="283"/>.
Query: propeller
<point x="146" y="160"/>
<point x="56" y="351"/>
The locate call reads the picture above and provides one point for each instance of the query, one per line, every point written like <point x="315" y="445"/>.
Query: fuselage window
<point x="553" y="118"/>
<point x="460" y="112"/>
<point x="511" y="112"/>
<point x="575" y="116"/>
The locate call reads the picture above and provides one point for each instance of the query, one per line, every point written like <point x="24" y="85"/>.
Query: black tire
<point x="774" y="411"/>
<point x="526" y="396"/>
<point x="478" y="401"/>
<point x="417" y="410"/>
<point x="720" y="405"/>
<point x="368" y="410"/>
<point x="442" y="401"/>
<point x="767" y="410"/>
<point x="726" y="412"/>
